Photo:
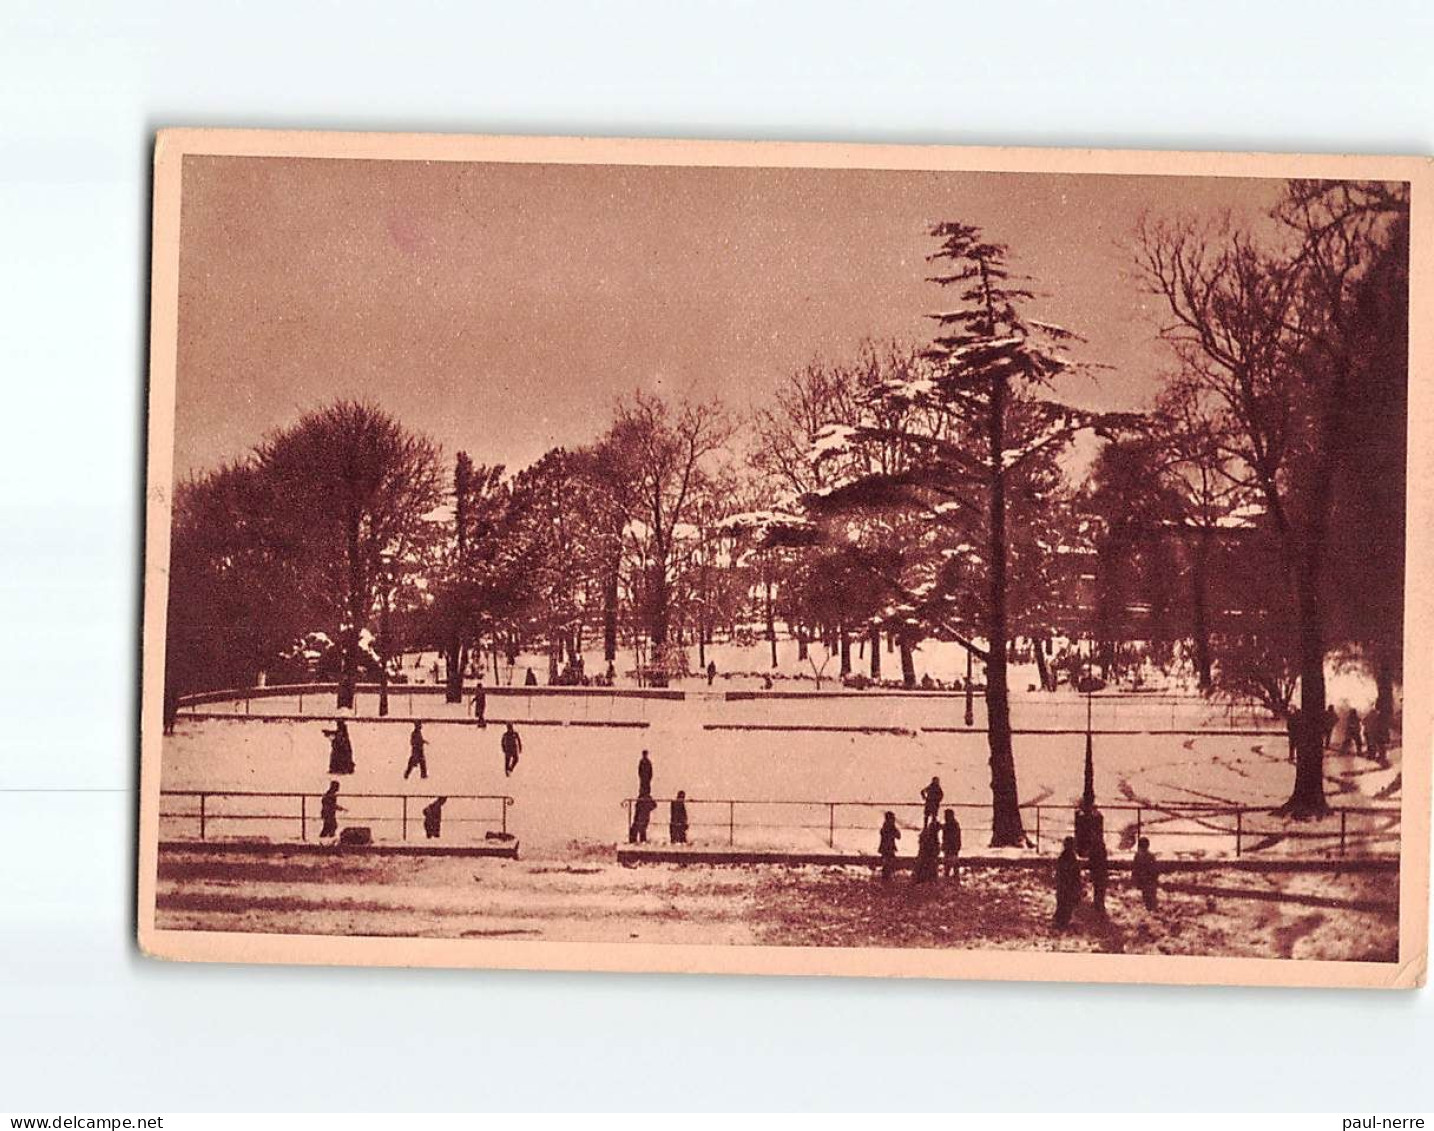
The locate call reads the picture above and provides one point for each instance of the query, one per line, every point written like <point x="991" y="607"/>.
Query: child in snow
<point x="416" y="760"/>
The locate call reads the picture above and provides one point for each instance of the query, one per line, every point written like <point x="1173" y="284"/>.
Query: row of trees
<point x="1252" y="519"/>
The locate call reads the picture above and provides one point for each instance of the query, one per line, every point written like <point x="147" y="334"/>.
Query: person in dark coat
<point x="1353" y="734"/>
<point x="890" y="834"/>
<point x="932" y="796"/>
<point x="1068" y="884"/>
<point x="928" y="846"/>
<point x="1292" y="727"/>
<point x="433" y="818"/>
<point x="677" y="824"/>
<point x="530" y="680"/>
<point x="1145" y="872"/>
<point x="512" y="743"/>
<point x="642" y="810"/>
<point x="480" y="701"/>
<point x="711" y="671"/>
<point x="1099" y="865"/>
<point x="329" y="810"/>
<point x="341" y="751"/>
<point x="416" y="759"/>
<point x="1376" y="734"/>
<point x="644" y="776"/>
<point x="951" y="846"/>
<point x="1331" y="718"/>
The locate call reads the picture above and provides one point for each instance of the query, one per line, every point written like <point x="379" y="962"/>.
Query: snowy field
<point x="745" y="785"/>
<point x="1230" y="913"/>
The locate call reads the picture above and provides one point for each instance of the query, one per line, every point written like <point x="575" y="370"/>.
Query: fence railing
<point x="213" y="814"/>
<point x="1194" y="826"/>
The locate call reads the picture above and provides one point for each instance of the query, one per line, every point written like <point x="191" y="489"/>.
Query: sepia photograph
<point x="762" y="558"/>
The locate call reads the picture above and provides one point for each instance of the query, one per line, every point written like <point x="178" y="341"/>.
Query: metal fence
<point x="1193" y="827"/>
<point x="216" y="815"/>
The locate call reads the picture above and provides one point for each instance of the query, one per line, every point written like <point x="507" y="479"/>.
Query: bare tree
<point x="1272" y="337"/>
<point x="349" y="489"/>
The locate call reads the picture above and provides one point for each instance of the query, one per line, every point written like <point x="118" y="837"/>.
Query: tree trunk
<point x="454" y="657"/>
<point x="874" y="639"/>
<point x="908" y="660"/>
<point x="1384" y="684"/>
<point x="348" y="678"/>
<point x="771" y="622"/>
<point x="1007" y="830"/>
<point x="845" y="639"/>
<point x="801" y="644"/>
<point x="609" y="612"/>
<point x="1308" y="799"/>
<point x="1042" y="671"/>
<point x="1200" y="603"/>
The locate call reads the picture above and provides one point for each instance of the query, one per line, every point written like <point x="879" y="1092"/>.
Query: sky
<point x="501" y="309"/>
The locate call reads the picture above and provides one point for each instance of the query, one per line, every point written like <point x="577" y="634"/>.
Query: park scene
<point x="765" y="556"/>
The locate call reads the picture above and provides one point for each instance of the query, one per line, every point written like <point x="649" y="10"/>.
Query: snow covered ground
<point x="1351" y="916"/>
<point x="571" y="784"/>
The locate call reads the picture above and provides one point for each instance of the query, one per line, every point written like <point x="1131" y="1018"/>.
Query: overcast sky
<point x="501" y="308"/>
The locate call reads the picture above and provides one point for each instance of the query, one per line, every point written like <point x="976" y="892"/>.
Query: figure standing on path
<point x="1099" y="873"/>
<point x="329" y="809"/>
<point x="951" y="846"/>
<point x="642" y="810"/>
<point x="1145" y="872"/>
<point x="927" y="850"/>
<point x="480" y="702"/>
<point x="932" y="796"/>
<point x="1292" y="727"/>
<point x="416" y="759"/>
<point x="1352" y="734"/>
<point x="711" y="671"/>
<point x="1068" y="885"/>
<point x="433" y="818"/>
<point x="1331" y="717"/>
<point x="512" y="744"/>
<point x="530" y="680"/>
<point x="341" y="751"/>
<point x="644" y="776"/>
<point x="677" y="824"/>
<point x="890" y="834"/>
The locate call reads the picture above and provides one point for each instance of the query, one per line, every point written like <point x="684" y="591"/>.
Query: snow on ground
<point x="1350" y="917"/>
<point x="572" y="781"/>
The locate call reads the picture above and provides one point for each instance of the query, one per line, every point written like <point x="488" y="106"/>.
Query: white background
<point x="85" y="1023"/>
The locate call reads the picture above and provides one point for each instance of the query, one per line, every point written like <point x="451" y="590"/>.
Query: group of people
<point x="645" y="806"/>
<point x="1070" y="889"/>
<point x="938" y="847"/>
<point x="329" y="810"/>
<point x="341" y="750"/>
<point x="1368" y="736"/>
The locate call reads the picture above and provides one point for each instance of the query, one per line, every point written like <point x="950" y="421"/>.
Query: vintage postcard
<point x="772" y="558"/>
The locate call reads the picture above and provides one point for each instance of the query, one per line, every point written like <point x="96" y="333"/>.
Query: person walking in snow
<point x="932" y="796"/>
<point x="480" y="702"/>
<point x="644" y="776"/>
<point x="642" y="810"/>
<point x="433" y="818"/>
<point x="1352" y="734"/>
<point x="1331" y="719"/>
<point x="512" y="744"/>
<point x="416" y="759"/>
<point x="677" y="824"/>
<point x="329" y="810"/>
<point x="341" y="751"/>
<point x="711" y="671"/>
<point x="1068" y="885"/>
<point x="886" y="849"/>
<point x="1145" y="872"/>
<point x="951" y="846"/>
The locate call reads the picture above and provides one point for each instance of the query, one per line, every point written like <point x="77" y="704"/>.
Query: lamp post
<point x="1089" y="823"/>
